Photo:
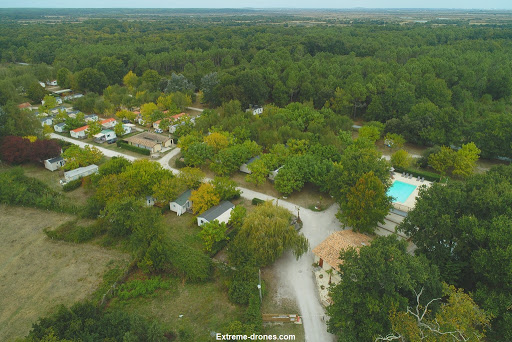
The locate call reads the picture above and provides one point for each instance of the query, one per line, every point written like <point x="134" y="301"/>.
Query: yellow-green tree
<point x="211" y="233"/>
<point x="465" y="160"/>
<point x="146" y="110"/>
<point x="259" y="172"/>
<point x="126" y="114"/>
<point x="204" y="198"/>
<point x="443" y="160"/>
<point x="191" y="177"/>
<point x="217" y="141"/>
<point x="131" y="80"/>
<point x="401" y="159"/>
<point x="119" y="129"/>
<point x="168" y="189"/>
<point x="265" y="234"/>
<point x="94" y="128"/>
<point x="78" y="157"/>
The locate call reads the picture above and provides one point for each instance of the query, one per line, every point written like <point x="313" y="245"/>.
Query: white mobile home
<point x="220" y="212"/>
<point x="80" y="172"/>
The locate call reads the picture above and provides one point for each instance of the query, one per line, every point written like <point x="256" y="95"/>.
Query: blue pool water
<point x="400" y="191"/>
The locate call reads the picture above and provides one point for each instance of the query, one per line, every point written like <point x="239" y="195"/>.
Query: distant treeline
<point x="444" y="85"/>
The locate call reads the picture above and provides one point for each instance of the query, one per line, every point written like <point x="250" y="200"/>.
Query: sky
<point x="462" y="4"/>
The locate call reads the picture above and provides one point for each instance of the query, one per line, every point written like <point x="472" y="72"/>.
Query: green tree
<point x="442" y="161"/>
<point x="191" y="177"/>
<point x="366" y="204"/>
<point x="119" y="129"/>
<point x="225" y="188"/>
<point x="375" y="280"/>
<point x="151" y="79"/>
<point x="91" y="79"/>
<point x="94" y="128"/>
<point x="126" y="114"/>
<point x="131" y="80"/>
<point x="35" y="92"/>
<point x="463" y="215"/>
<point x="197" y="154"/>
<point x="265" y="234"/>
<point x="147" y="110"/>
<point x="394" y="140"/>
<point x="259" y="172"/>
<point x="465" y="160"/>
<point x="49" y="103"/>
<point x="371" y="133"/>
<point x="64" y="78"/>
<point x="168" y="189"/>
<point x="77" y="157"/>
<point x="212" y="233"/>
<point x="401" y="159"/>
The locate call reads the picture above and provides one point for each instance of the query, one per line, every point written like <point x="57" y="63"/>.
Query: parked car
<point x="158" y="130"/>
<point x="126" y="121"/>
<point x="111" y="141"/>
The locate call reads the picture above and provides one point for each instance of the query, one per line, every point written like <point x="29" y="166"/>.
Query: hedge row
<point x="75" y="184"/>
<point x="129" y="147"/>
<point x="430" y="176"/>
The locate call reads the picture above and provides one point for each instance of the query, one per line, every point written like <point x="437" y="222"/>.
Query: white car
<point x="158" y="130"/>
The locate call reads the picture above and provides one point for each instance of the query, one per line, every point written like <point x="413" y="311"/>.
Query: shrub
<point x="179" y="163"/>
<point x="132" y="148"/>
<point x="257" y="201"/>
<point x="430" y="176"/>
<point x="142" y="288"/>
<point x="72" y="185"/>
<point x="71" y="232"/>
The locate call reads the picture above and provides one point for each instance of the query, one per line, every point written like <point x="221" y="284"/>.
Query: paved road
<point x="196" y="109"/>
<point x="105" y="151"/>
<point x="295" y="277"/>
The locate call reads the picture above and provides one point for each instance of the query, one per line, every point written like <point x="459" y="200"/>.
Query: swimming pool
<point x="400" y="191"/>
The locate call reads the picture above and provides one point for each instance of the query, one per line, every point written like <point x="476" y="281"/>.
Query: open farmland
<point x="36" y="273"/>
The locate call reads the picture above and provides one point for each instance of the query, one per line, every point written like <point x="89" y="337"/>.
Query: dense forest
<point x="435" y="85"/>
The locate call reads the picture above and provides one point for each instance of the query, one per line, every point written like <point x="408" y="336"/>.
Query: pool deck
<point x="411" y="200"/>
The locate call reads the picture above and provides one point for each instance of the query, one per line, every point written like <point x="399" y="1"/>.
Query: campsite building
<point x="220" y="213"/>
<point x="53" y="164"/>
<point x="80" y="172"/>
<point x="182" y="203"/>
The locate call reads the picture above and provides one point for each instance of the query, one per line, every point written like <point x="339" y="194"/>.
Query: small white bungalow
<point x="220" y="212"/>
<point x="60" y="127"/>
<point x="79" y="133"/>
<point x="91" y="117"/>
<point x="150" y="201"/>
<point x="108" y="123"/>
<point x="53" y="164"/>
<point x="182" y="203"/>
<point x="254" y="109"/>
<point x="47" y="120"/>
<point x="245" y="167"/>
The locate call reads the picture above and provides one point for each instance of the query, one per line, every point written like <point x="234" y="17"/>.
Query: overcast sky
<point x="466" y="4"/>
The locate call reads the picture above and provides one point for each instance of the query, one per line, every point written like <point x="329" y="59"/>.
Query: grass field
<point x="36" y="273"/>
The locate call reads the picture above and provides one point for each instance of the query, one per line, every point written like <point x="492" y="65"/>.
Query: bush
<point x="72" y="185"/>
<point x="71" y="232"/>
<point x="142" y="288"/>
<point x="257" y="201"/>
<point x="430" y="176"/>
<point x="179" y="163"/>
<point x="132" y="148"/>
<point x="243" y="285"/>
